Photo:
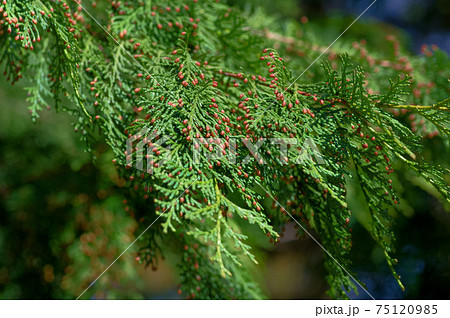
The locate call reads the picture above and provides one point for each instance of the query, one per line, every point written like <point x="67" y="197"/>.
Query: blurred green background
<point x="63" y="219"/>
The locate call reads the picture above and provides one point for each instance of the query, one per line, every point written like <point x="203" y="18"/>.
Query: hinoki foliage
<point x="183" y="77"/>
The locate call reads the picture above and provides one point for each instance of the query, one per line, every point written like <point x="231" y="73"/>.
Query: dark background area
<point x="424" y="21"/>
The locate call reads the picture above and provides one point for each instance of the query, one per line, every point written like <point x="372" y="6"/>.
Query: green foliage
<point x="191" y="75"/>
